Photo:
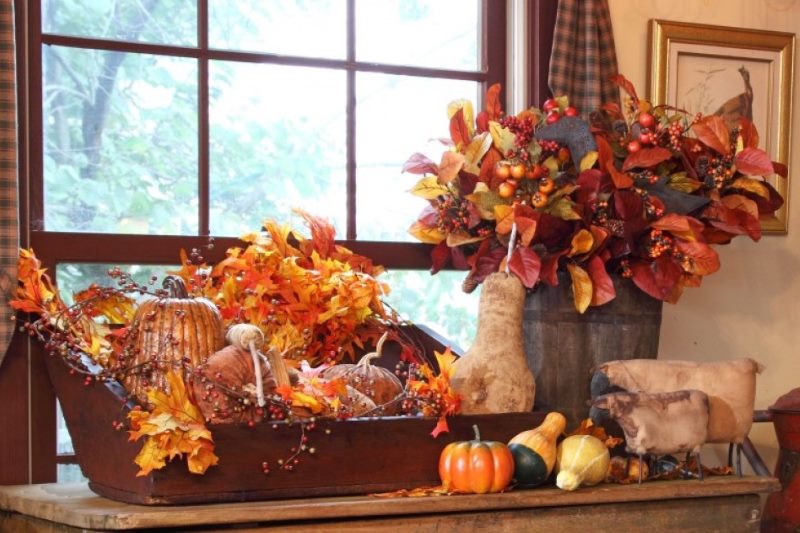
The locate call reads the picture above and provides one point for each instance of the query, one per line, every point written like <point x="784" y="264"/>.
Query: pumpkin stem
<point x="367" y="359"/>
<point x="278" y="366"/>
<point x="175" y="287"/>
<point x="477" y="432"/>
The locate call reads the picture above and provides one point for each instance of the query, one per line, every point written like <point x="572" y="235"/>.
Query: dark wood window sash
<point x="32" y="450"/>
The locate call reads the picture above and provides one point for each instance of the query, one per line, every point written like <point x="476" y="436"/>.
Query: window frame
<point x="32" y="383"/>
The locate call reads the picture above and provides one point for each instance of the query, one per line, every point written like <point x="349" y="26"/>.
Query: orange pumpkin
<point x="377" y="383"/>
<point x="169" y="333"/>
<point x="476" y="466"/>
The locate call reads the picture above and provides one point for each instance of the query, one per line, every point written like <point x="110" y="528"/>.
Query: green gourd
<point x="534" y="451"/>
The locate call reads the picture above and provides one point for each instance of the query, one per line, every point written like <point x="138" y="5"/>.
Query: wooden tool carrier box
<point x="356" y="456"/>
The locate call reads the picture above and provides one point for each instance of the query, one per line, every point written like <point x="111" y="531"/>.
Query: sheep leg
<point x="686" y="464"/>
<point x="730" y="454"/>
<point x="699" y="466"/>
<point x="739" y="460"/>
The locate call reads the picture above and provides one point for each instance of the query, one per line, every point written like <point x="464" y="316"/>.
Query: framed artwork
<point x="730" y="72"/>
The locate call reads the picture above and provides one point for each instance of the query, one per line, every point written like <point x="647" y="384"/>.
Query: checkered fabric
<point x="9" y="208"/>
<point x="583" y="56"/>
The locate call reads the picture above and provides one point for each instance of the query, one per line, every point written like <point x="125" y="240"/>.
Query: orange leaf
<point x="603" y="290"/>
<point x="713" y="132"/>
<point x="581" y="243"/>
<point x="451" y="165"/>
<point x="441" y="427"/>
<point x="581" y="287"/>
<point x="458" y="129"/>
<point x="493" y="107"/>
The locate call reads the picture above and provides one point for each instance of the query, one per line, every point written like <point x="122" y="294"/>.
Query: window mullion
<point x="351" y="121"/>
<point x="203" y="174"/>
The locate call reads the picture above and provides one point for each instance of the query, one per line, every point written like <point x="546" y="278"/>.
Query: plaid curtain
<point x="583" y="56"/>
<point x="9" y="209"/>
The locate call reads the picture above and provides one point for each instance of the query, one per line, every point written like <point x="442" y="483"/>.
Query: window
<point x="151" y="125"/>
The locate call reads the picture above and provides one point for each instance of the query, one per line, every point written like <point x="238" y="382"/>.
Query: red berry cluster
<point x="452" y="213"/>
<point x="658" y="244"/>
<point x="675" y="130"/>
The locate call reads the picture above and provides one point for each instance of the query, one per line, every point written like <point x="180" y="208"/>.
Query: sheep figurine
<point x="730" y="386"/>
<point x="660" y="422"/>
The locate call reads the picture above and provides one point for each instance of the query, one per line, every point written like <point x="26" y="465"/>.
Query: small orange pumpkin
<point x="476" y="466"/>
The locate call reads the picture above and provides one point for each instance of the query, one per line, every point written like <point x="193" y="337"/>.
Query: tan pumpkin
<point x="170" y="332"/>
<point x="377" y="383"/>
<point x="225" y="387"/>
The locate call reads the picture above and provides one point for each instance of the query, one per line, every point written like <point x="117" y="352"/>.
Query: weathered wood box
<point x="356" y="456"/>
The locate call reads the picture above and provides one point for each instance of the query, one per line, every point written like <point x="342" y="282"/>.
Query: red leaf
<point x="658" y="279"/>
<point x="682" y="226"/>
<point x="525" y="263"/>
<point x="604" y="290"/>
<point x="589" y="183"/>
<point x="487" y="168"/>
<point x="622" y="82"/>
<point x="441" y="427"/>
<point x="704" y="260"/>
<point x="487" y="264"/>
<point x="460" y="261"/>
<point x="420" y="164"/>
<point x="604" y="153"/>
<point x="753" y="162"/>
<point x="646" y="157"/>
<point x="713" y="132"/>
<point x="323" y="234"/>
<point x="621" y="180"/>
<point x="780" y="169"/>
<point x="440" y="256"/>
<point x="458" y="129"/>
<point x="549" y="270"/>
<point x="493" y="107"/>
<point x="628" y="205"/>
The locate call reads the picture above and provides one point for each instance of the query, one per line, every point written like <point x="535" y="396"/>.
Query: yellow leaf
<point x="588" y="160"/>
<point x="150" y="457"/>
<point x="582" y="242"/>
<point x="459" y="238"/>
<point x="475" y="151"/>
<point x="429" y="188"/>
<point x="503" y="138"/>
<point x="504" y="215"/>
<point x="467" y="110"/>
<point x="551" y="164"/>
<point x="426" y="234"/>
<point x="452" y="163"/>
<point x="739" y="143"/>
<point x="751" y="185"/>
<point x="581" y="287"/>
<point x="563" y="209"/>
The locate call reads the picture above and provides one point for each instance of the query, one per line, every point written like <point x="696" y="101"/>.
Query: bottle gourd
<point x="493" y="376"/>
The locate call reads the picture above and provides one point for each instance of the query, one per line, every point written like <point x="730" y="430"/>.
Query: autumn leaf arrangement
<point x="641" y="191"/>
<point x="312" y="303"/>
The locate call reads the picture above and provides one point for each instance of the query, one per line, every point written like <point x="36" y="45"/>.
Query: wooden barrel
<point x="563" y="346"/>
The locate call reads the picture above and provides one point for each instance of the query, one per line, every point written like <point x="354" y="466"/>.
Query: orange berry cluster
<point x="659" y="244"/>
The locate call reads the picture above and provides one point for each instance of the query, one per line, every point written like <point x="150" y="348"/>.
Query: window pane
<point x="63" y="439"/>
<point x="315" y="28"/>
<point x="70" y="473"/>
<point x="120" y="133"/>
<point x="397" y="116"/>
<point x="277" y="142"/>
<point x="163" y="21"/>
<point x="435" y="301"/>
<point x="74" y="277"/>
<point x="426" y="33"/>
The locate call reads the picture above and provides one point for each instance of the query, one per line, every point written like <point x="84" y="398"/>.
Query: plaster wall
<point x="751" y="307"/>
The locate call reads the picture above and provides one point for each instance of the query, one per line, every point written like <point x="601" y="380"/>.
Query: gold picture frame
<point x="722" y="70"/>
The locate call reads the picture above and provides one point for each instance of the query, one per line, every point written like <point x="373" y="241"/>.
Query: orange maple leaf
<point x="174" y="426"/>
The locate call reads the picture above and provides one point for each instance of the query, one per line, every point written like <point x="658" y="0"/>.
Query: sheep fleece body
<point x="730" y="386"/>
<point x="659" y="422"/>
<point x="493" y="376"/>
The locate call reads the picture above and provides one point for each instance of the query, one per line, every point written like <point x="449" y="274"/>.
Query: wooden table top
<point x="76" y="505"/>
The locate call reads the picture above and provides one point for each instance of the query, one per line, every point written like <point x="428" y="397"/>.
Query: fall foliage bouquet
<point x="642" y="191"/>
<point x="290" y="303"/>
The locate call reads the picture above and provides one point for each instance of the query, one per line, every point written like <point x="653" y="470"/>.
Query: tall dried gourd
<point x="493" y="376"/>
<point x="170" y="332"/>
